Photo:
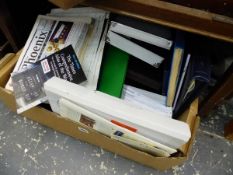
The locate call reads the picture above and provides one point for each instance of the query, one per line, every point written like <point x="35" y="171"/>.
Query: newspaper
<point x="91" y="57"/>
<point x="50" y="34"/>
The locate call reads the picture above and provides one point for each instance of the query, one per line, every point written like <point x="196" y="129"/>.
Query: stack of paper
<point x="112" y="130"/>
<point x="49" y="35"/>
<point x="145" y="99"/>
<point x="91" y="56"/>
<point x="80" y="32"/>
<point x="153" y="125"/>
<point x="83" y="28"/>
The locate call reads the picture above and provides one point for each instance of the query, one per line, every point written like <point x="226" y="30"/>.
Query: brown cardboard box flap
<point x="6" y="59"/>
<point x="188" y="117"/>
<point x="7" y="66"/>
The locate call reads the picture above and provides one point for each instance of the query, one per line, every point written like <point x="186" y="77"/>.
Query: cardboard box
<point x="86" y="134"/>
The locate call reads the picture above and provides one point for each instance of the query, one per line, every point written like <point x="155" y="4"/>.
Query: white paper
<point x="153" y="125"/>
<point x="145" y="99"/>
<point x="73" y="112"/>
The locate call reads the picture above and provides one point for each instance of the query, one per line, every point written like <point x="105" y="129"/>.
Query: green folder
<point x="113" y="71"/>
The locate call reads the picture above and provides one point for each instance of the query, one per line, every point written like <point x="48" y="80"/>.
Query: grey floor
<point x="27" y="147"/>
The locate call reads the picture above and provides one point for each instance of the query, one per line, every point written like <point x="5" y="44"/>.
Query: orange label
<point x="124" y="126"/>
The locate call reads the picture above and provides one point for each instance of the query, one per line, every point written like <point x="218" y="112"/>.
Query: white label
<point x="45" y="66"/>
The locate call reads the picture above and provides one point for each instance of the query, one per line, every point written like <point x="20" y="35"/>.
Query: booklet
<point x="28" y="84"/>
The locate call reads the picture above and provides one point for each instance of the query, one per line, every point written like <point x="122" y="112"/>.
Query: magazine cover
<point x="28" y="84"/>
<point x="51" y="34"/>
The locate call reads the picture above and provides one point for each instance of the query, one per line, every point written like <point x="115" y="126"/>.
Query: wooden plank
<point x="216" y="6"/>
<point x="7" y="67"/>
<point x="168" y="14"/>
<point x="175" y="8"/>
<point x="2" y="47"/>
<point x="7" y="27"/>
<point x="228" y="130"/>
<point x="185" y="10"/>
<point x="222" y="90"/>
<point x="168" y="17"/>
<point x="65" y="4"/>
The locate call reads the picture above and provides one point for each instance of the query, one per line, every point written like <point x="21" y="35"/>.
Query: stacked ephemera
<point x="117" y="93"/>
<point x="65" y="44"/>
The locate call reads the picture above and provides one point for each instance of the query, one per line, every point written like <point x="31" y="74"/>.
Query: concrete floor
<point x="27" y="147"/>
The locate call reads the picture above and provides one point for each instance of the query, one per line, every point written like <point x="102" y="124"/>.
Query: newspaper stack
<point x="83" y="28"/>
<point x="91" y="56"/>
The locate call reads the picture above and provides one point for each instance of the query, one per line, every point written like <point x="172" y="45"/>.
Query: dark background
<point x="19" y="17"/>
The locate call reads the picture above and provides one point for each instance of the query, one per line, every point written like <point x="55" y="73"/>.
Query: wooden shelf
<point x="164" y="13"/>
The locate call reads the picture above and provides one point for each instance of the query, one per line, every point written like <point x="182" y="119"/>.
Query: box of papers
<point x="87" y="134"/>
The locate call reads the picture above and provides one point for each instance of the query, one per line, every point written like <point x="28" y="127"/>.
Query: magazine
<point x="51" y="34"/>
<point x="28" y="84"/>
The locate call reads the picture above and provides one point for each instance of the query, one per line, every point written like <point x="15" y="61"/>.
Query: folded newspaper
<point x="28" y="84"/>
<point x="50" y="34"/>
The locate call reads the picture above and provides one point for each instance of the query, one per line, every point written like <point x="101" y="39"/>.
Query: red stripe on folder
<point x="124" y="126"/>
